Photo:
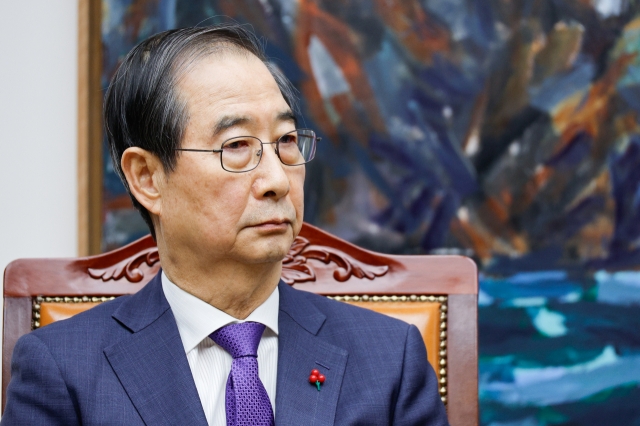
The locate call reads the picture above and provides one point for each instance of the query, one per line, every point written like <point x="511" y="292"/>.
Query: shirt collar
<point x="196" y="319"/>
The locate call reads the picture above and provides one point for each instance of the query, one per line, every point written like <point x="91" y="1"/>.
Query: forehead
<point x="229" y="82"/>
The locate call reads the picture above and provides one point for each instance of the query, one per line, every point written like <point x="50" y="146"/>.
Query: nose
<point x="271" y="180"/>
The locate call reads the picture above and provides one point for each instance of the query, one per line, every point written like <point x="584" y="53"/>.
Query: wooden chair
<point x="436" y="293"/>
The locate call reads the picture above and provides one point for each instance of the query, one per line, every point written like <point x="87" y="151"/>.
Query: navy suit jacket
<point x="123" y="363"/>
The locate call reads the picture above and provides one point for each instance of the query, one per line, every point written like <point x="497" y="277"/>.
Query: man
<point x="202" y="130"/>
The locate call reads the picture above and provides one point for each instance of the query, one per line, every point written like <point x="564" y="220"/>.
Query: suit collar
<point x="300" y="350"/>
<point x="300" y="309"/>
<point x="151" y="363"/>
<point x="144" y="307"/>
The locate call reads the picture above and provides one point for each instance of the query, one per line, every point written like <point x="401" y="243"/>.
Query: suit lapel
<point x="151" y="364"/>
<point x="299" y="351"/>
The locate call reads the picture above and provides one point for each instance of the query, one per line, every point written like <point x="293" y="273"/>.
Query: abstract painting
<point x="503" y="130"/>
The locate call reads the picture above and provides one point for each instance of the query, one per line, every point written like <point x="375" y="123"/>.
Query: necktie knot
<point x="239" y="339"/>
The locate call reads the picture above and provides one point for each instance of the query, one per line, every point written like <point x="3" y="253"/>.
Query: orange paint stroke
<point x="497" y="209"/>
<point x="120" y="202"/>
<point x="340" y="42"/>
<point x="472" y="238"/>
<point x="413" y="27"/>
<point x="587" y="112"/>
<point x="532" y="188"/>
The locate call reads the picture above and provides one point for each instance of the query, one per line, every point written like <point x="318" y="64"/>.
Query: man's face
<point x="249" y="217"/>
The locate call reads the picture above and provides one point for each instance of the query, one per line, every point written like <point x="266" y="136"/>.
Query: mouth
<point x="273" y="225"/>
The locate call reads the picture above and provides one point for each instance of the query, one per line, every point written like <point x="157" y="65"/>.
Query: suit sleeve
<point x="418" y="401"/>
<point x="37" y="393"/>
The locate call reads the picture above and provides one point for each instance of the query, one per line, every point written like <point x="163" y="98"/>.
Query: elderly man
<point x="202" y="130"/>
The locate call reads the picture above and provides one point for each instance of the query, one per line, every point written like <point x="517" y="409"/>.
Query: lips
<point x="274" y="222"/>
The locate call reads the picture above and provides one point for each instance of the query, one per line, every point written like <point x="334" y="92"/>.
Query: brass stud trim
<point x="442" y="300"/>
<point x="39" y="300"/>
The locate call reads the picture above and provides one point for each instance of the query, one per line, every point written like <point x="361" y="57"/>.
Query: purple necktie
<point x="246" y="399"/>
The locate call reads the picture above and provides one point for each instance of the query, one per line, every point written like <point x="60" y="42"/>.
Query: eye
<point x="236" y="144"/>
<point x="289" y="138"/>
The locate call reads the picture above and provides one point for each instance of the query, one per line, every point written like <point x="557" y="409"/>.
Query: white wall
<point x="38" y="130"/>
<point x="38" y="116"/>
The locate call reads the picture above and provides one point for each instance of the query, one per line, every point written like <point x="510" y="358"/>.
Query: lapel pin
<point x="315" y="378"/>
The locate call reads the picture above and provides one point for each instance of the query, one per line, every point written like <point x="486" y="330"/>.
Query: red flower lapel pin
<point x="315" y="378"/>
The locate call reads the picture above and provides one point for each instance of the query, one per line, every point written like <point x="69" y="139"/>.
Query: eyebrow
<point x="228" y="122"/>
<point x="288" y="115"/>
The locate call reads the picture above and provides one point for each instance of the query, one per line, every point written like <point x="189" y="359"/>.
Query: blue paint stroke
<point x="558" y="88"/>
<point x="624" y="247"/>
<point x="619" y="288"/>
<point x="541" y="286"/>
<point x="556" y="385"/>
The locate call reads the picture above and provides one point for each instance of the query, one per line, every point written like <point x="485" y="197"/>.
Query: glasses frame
<point x="262" y="144"/>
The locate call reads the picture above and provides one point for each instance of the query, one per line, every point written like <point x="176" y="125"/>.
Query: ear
<point x="144" y="174"/>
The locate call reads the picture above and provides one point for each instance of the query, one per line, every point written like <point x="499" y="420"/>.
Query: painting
<point x="503" y="130"/>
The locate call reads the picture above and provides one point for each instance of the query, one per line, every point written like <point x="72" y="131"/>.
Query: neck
<point x="236" y="289"/>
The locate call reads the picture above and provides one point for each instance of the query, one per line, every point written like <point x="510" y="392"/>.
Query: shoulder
<point x="124" y="314"/>
<point x="70" y="348"/>
<point x="348" y="312"/>
<point x="345" y="312"/>
<point x="91" y="325"/>
<point x="355" y="326"/>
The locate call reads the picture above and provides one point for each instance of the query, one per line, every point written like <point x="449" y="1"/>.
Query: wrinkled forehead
<point x="192" y="56"/>
<point x="220" y="73"/>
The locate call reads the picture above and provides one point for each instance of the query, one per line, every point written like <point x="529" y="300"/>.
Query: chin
<point x="264" y="258"/>
<point x="271" y="252"/>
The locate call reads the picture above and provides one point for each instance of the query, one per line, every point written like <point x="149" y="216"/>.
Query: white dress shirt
<point x="210" y="364"/>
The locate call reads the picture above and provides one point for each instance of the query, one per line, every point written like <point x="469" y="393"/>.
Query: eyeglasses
<point x="243" y="153"/>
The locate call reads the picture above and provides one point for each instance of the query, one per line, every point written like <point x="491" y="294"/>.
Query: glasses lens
<point x="241" y="154"/>
<point x="297" y="147"/>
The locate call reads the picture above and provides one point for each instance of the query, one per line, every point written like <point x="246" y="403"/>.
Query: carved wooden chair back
<point x="436" y="293"/>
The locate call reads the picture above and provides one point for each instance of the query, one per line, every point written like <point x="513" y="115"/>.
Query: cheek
<point x="296" y="181"/>
<point x="202" y="199"/>
<point x="223" y="203"/>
